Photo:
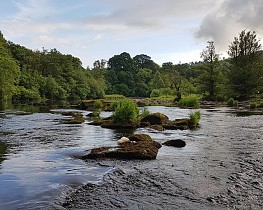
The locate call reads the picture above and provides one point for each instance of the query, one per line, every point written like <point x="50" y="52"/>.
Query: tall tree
<point x="9" y="71"/>
<point x="210" y="58"/>
<point x="246" y="70"/>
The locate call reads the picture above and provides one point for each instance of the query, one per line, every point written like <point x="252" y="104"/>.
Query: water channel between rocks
<point x="220" y="167"/>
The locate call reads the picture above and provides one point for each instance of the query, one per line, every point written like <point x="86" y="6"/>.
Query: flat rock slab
<point x="142" y="150"/>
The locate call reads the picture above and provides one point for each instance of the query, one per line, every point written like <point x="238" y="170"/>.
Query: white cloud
<point x="229" y="19"/>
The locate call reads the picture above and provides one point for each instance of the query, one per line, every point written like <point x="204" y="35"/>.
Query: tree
<point x="9" y="71"/>
<point x="157" y="81"/>
<point x="246" y="73"/>
<point x="210" y="58"/>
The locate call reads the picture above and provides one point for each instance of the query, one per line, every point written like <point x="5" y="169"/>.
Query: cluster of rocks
<point x="136" y="146"/>
<point x="157" y="121"/>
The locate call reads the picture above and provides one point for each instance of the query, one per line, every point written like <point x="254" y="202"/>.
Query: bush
<point x="155" y="93"/>
<point x="98" y="104"/>
<point x="144" y="112"/>
<point x="252" y="105"/>
<point x="191" y="101"/>
<point x="194" y="118"/>
<point x="231" y="102"/>
<point x="260" y="104"/>
<point x="125" y="111"/>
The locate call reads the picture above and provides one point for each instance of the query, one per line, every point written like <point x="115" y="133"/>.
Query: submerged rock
<point x="143" y="150"/>
<point x="175" y="143"/>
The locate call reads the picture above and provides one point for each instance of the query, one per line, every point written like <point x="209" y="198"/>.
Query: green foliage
<point x="194" y="118"/>
<point x="252" y="105"/>
<point x="157" y="81"/>
<point x="9" y="71"/>
<point x="114" y="96"/>
<point x="155" y="93"/>
<point x="125" y="111"/>
<point x="26" y="95"/>
<point x="246" y="72"/>
<point x="231" y="102"/>
<point x="260" y="104"/>
<point x="190" y="101"/>
<point x="98" y="104"/>
<point x="144" y="112"/>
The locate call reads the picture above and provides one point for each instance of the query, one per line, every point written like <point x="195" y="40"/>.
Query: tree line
<point x="27" y="75"/>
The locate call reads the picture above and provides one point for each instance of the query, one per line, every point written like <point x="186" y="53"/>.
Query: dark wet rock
<point x="142" y="150"/>
<point x="156" y="119"/>
<point x="175" y="143"/>
<point x="139" y="137"/>
<point x="90" y="115"/>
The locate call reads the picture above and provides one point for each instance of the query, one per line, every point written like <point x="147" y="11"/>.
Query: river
<point x="221" y="166"/>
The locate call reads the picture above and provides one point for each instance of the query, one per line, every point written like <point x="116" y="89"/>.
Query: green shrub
<point x="231" y="102"/>
<point x="190" y="101"/>
<point x="155" y="93"/>
<point x="144" y="112"/>
<point x="125" y="111"/>
<point x="194" y="118"/>
<point x="252" y="105"/>
<point x="98" y="104"/>
<point x="260" y="104"/>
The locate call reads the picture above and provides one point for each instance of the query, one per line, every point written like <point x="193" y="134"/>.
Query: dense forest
<point x="48" y="75"/>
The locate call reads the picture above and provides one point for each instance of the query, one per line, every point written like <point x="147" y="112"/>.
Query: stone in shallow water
<point x="142" y="150"/>
<point x="175" y="143"/>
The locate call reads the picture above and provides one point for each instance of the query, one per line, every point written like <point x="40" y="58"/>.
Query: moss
<point x="157" y="127"/>
<point x="140" y="137"/>
<point x="156" y="119"/>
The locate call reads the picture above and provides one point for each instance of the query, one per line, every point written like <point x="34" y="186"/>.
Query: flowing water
<point x="221" y="166"/>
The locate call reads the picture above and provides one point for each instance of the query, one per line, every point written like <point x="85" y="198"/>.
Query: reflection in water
<point x="3" y="148"/>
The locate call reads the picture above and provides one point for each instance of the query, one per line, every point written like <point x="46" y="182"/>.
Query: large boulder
<point x="155" y="119"/>
<point x="175" y="143"/>
<point x="142" y="150"/>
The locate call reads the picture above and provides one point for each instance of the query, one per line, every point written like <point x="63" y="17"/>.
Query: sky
<point x="166" y="30"/>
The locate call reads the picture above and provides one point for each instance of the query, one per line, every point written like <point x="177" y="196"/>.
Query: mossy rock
<point x="175" y="143"/>
<point x="178" y="124"/>
<point x="74" y="121"/>
<point x="156" y="119"/>
<point x="139" y="137"/>
<point x="157" y="127"/>
<point x="142" y="150"/>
